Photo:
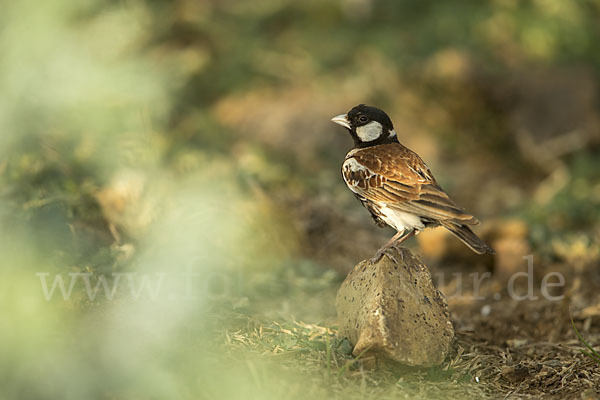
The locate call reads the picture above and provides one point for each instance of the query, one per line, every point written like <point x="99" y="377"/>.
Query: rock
<point x="393" y="310"/>
<point x="436" y="243"/>
<point x="509" y="238"/>
<point x="508" y="259"/>
<point x="439" y="246"/>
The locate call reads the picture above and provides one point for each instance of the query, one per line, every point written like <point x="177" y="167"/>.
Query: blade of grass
<point x="593" y="354"/>
<point x="590" y="355"/>
<point x="328" y="354"/>
<point x="350" y="363"/>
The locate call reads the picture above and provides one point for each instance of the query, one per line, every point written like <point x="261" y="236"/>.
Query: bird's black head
<point x="368" y="126"/>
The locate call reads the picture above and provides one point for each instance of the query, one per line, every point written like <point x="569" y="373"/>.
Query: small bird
<point x="395" y="185"/>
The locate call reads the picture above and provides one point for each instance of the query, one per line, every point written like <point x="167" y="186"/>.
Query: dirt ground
<point x="528" y="348"/>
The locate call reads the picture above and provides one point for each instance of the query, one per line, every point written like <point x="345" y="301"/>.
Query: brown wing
<point x="396" y="176"/>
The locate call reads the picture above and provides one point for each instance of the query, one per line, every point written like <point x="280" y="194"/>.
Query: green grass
<point x="310" y="358"/>
<point x="306" y="356"/>
<point x="593" y="354"/>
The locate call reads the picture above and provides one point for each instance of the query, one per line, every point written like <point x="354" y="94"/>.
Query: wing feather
<point x="396" y="176"/>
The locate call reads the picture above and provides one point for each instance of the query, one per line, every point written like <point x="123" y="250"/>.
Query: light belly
<point x="399" y="220"/>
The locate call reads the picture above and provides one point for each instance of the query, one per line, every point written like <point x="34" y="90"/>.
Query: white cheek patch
<point x="370" y="131"/>
<point x="392" y="133"/>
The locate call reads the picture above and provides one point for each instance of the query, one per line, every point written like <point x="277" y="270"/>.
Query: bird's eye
<point x="363" y="118"/>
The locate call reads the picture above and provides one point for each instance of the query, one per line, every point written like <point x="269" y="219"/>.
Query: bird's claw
<point x="396" y="246"/>
<point x="380" y="253"/>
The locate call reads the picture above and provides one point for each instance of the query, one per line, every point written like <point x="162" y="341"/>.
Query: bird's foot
<point x="397" y="245"/>
<point x="394" y="243"/>
<point x="381" y="252"/>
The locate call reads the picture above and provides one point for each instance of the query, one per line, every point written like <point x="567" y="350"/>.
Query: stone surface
<point x="510" y="240"/>
<point x="393" y="310"/>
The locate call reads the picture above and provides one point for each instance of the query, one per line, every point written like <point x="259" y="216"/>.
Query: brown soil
<point x="529" y="348"/>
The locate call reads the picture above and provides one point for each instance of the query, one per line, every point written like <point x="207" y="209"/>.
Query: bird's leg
<point x="412" y="233"/>
<point x="398" y="238"/>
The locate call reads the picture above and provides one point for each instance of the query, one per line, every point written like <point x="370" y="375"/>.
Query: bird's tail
<point x="464" y="233"/>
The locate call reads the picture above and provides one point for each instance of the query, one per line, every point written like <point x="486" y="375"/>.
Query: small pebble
<point x="486" y="310"/>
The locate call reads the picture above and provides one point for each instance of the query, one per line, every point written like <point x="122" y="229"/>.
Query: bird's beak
<point x="342" y="120"/>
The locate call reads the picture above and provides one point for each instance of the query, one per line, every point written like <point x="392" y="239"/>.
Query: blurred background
<point x="150" y="137"/>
